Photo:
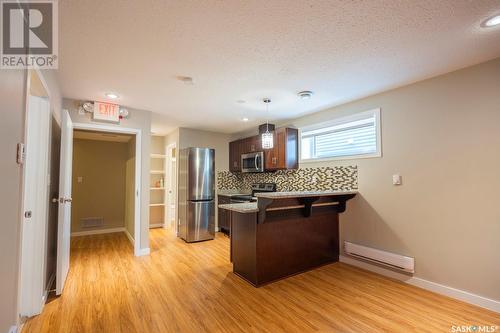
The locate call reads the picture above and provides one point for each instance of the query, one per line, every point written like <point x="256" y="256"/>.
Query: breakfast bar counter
<point x="285" y="233"/>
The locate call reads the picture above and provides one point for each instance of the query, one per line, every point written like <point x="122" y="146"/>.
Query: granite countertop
<point x="300" y="194"/>
<point x="245" y="207"/>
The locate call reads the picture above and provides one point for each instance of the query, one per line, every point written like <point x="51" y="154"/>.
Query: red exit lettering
<point x="108" y="109"/>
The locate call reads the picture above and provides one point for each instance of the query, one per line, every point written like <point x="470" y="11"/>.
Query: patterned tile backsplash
<point x="303" y="179"/>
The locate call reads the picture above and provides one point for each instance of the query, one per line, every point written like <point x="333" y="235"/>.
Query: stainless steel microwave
<point x="252" y="162"/>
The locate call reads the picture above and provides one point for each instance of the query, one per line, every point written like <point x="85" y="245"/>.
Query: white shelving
<point x="158" y="195"/>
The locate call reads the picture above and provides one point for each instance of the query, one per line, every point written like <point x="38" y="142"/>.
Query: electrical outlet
<point x="396" y="179"/>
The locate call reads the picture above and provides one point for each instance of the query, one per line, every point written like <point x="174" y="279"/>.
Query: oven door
<point x="253" y="162"/>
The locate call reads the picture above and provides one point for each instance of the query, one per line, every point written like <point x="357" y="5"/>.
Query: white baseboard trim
<point x="129" y="236"/>
<point x="461" y="295"/>
<point x="156" y="225"/>
<point x="143" y="252"/>
<point x="97" y="232"/>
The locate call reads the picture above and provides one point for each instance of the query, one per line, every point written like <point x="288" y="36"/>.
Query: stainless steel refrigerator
<point x="196" y="191"/>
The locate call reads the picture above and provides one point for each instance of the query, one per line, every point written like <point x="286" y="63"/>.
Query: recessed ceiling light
<point x="306" y="94"/>
<point x="492" y="21"/>
<point x="111" y="95"/>
<point x="245" y="119"/>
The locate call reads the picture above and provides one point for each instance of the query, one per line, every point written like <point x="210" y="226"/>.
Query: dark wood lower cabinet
<point x="286" y="242"/>
<point x="224" y="216"/>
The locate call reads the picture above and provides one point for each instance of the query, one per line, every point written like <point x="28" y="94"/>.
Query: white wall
<point x="443" y="136"/>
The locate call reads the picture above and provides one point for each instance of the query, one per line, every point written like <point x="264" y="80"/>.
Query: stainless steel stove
<point x="256" y="188"/>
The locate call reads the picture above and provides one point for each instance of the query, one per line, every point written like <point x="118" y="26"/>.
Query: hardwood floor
<point x="190" y="288"/>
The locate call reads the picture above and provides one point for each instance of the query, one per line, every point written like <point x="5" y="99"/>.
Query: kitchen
<point x="249" y="159"/>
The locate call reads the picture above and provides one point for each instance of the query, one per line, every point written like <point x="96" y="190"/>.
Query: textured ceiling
<point x="247" y="50"/>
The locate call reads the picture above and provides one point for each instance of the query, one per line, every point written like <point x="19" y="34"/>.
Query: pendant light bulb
<point x="267" y="137"/>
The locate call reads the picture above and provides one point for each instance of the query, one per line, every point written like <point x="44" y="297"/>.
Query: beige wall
<point x="157" y="144"/>
<point x="195" y="138"/>
<point x="12" y="106"/>
<point x="443" y="136"/>
<point x="102" y="192"/>
<point x="130" y="188"/>
<point x="139" y="119"/>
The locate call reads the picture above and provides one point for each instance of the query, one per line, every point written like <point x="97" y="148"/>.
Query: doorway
<point x="103" y="183"/>
<point x="65" y="191"/>
<point x="136" y="133"/>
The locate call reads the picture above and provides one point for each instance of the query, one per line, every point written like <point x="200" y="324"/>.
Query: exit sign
<point x="107" y="112"/>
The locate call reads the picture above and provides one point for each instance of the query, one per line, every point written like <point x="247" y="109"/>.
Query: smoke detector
<point x="185" y="79"/>
<point x="306" y="94"/>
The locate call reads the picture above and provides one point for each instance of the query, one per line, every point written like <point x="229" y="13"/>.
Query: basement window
<point x="354" y="136"/>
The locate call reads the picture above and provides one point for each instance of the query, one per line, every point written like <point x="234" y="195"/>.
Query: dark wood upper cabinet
<point x="285" y="151"/>
<point x="284" y="154"/>
<point x="251" y="144"/>
<point x="235" y="156"/>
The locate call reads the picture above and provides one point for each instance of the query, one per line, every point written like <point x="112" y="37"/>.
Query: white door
<point x="35" y="205"/>
<point x="64" y="218"/>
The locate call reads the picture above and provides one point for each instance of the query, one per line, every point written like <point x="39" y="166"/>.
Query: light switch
<point x="79" y="179"/>
<point x="396" y="179"/>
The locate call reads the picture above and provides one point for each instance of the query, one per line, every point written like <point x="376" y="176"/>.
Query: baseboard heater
<point x="393" y="260"/>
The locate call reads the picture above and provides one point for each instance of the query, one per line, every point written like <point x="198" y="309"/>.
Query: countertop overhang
<point x="306" y="198"/>
<point x="301" y="194"/>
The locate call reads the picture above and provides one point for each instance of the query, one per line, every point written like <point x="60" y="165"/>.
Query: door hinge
<point x="21" y="153"/>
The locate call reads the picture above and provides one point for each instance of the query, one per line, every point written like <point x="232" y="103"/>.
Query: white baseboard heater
<point x="393" y="260"/>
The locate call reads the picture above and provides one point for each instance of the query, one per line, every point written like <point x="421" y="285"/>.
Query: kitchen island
<point x="285" y="233"/>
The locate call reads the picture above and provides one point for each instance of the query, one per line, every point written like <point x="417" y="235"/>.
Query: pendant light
<point x="267" y="137"/>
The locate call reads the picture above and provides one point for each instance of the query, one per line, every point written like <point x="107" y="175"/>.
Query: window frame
<point x="339" y="121"/>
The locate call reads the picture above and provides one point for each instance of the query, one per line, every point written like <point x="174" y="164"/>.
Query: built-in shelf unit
<point x="157" y="191"/>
